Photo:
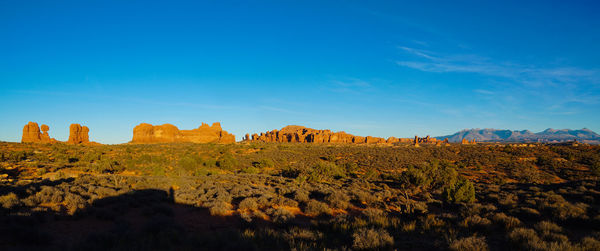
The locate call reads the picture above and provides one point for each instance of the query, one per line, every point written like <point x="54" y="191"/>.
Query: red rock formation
<point x="78" y="134"/>
<point x="392" y="140"/>
<point x="464" y="141"/>
<point x="301" y="134"/>
<point x="426" y="140"/>
<point x="32" y="134"/>
<point x="147" y="133"/>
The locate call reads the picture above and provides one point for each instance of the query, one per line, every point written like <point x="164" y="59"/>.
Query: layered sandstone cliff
<point x="32" y="134"/>
<point x="167" y="133"/>
<point x="301" y="134"/>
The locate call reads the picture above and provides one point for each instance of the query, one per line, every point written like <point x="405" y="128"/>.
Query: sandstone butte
<point x="77" y="134"/>
<point x="167" y="133"/>
<point x="301" y="134"/>
<point x="32" y="134"/>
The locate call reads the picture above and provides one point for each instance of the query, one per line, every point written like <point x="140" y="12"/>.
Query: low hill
<point x="549" y="135"/>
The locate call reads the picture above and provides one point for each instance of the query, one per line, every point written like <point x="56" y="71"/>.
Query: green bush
<point x="432" y="175"/>
<point x="324" y="171"/>
<point x="462" y="191"/>
<point x="264" y="163"/>
<point x="227" y="162"/>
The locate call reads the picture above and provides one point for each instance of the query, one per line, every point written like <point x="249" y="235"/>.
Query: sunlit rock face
<point x="301" y="134"/>
<point x="32" y="134"/>
<point x="167" y="133"/>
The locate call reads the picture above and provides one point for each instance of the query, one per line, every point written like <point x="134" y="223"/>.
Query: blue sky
<point x="380" y="68"/>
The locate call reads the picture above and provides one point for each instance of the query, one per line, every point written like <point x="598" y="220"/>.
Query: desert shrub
<point x="49" y="195"/>
<point x="106" y="166"/>
<point x="18" y="156"/>
<point x="283" y="201"/>
<point x="219" y="208"/>
<point x="589" y="243"/>
<point x="507" y="222"/>
<point x="74" y="202"/>
<point x="338" y="200"/>
<point x="364" y="196"/>
<point x="9" y="201"/>
<point x="472" y="243"/>
<point x="475" y="221"/>
<point x="324" y="170"/>
<point x="508" y="199"/>
<point x="431" y="222"/>
<point x="314" y="207"/>
<point x="280" y="215"/>
<point x="371" y="174"/>
<point x="524" y="237"/>
<point x="434" y="174"/>
<point x="595" y="168"/>
<point x="264" y="163"/>
<point x="376" y="217"/>
<point x="301" y="195"/>
<point x="462" y="191"/>
<point x="189" y="163"/>
<point x="227" y="162"/>
<point x="562" y="209"/>
<point x="368" y="238"/>
<point x="296" y="233"/>
<point x="351" y="167"/>
<point x="250" y="170"/>
<point x="415" y="176"/>
<point x="248" y="204"/>
<point x="527" y="239"/>
<point x="526" y="173"/>
<point x="91" y="156"/>
<point x="547" y="226"/>
<point x="409" y="226"/>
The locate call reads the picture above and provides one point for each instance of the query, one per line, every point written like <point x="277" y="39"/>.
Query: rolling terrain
<point x="257" y="196"/>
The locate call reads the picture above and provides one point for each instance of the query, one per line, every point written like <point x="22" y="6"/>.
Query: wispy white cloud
<point x="468" y="63"/>
<point x="349" y="85"/>
<point x="486" y="92"/>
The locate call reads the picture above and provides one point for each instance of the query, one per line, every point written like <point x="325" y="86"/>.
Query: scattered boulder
<point x="78" y="134"/>
<point x="167" y="133"/>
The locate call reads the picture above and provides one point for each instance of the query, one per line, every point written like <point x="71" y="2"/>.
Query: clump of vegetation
<point x="368" y="238"/>
<point x="471" y="243"/>
<point x="314" y="207"/>
<point x="461" y="191"/>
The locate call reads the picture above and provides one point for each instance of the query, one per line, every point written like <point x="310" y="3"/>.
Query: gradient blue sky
<point x="380" y="68"/>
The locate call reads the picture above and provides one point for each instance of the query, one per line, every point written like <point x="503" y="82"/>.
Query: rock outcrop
<point x="78" y="134"/>
<point x="464" y="141"/>
<point x="167" y="133"/>
<point x="301" y="134"/>
<point x="426" y="140"/>
<point x="32" y="134"/>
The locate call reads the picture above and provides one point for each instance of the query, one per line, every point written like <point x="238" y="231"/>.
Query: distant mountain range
<point x="548" y="136"/>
